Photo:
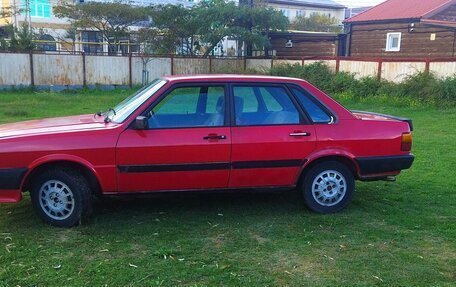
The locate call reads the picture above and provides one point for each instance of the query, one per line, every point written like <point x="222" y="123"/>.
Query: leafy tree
<point x="316" y="22"/>
<point x="243" y="23"/>
<point x="112" y="19"/>
<point x="173" y="27"/>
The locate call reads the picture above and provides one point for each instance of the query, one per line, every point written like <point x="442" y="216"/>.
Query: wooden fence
<point x="66" y="71"/>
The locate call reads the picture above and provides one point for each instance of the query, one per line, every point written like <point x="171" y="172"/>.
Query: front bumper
<point x="384" y="164"/>
<point x="10" y="183"/>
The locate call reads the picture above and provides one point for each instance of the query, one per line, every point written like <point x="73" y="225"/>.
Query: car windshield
<point x="121" y="112"/>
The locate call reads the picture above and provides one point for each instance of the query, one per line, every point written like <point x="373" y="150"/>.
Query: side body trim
<point x="210" y="166"/>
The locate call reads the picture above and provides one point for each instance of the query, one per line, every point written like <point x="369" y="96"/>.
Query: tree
<point x="112" y="19"/>
<point x="173" y="27"/>
<point x="316" y="22"/>
<point x="250" y="25"/>
<point x="22" y="39"/>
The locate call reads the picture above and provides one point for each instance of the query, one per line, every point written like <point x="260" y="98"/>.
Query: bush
<point x="317" y="74"/>
<point x="448" y="91"/>
<point x="419" y="88"/>
<point x="342" y="82"/>
<point x="366" y="87"/>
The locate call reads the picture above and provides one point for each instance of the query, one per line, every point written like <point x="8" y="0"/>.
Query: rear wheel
<point x="328" y="187"/>
<point x="61" y="197"/>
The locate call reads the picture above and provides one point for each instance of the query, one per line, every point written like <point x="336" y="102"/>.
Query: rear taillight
<point x="406" y="143"/>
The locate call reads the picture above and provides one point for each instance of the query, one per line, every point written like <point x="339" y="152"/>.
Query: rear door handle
<point x="214" y="137"/>
<point x="299" y="134"/>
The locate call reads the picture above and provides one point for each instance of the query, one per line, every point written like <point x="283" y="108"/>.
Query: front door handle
<point x="299" y="134"/>
<point x="214" y="137"/>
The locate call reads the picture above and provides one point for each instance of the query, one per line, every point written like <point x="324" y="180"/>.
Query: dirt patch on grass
<point x="218" y="241"/>
<point x="258" y="238"/>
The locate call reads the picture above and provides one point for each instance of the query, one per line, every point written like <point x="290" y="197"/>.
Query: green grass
<point x="393" y="234"/>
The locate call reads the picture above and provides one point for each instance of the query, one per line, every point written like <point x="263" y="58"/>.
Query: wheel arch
<point x="346" y="159"/>
<point x="65" y="161"/>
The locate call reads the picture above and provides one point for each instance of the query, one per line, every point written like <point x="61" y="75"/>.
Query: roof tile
<point x="399" y="9"/>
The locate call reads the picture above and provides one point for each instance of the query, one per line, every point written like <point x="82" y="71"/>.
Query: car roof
<point x="230" y="78"/>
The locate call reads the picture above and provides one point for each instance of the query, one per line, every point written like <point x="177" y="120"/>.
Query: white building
<point x="53" y="30"/>
<point x="294" y="8"/>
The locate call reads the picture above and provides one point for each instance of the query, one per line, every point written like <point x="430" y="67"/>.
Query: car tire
<point x="328" y="187"/>
<point x="61" y="197"/>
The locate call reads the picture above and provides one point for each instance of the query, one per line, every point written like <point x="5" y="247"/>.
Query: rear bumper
<point x="10" y="183"/>
<point x="384" y="164"/>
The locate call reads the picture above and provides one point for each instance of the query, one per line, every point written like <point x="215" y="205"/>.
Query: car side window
<point x="201" y="106"/>
<point x="263" y="105"/>
<point x="316" y="113"/>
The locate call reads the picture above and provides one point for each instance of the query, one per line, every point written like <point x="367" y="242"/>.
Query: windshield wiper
<point x="98" y="114"/>
<point x="107" y="119"/>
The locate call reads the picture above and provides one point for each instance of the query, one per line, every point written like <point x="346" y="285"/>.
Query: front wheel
<point x="61" y="197"/>
<point x="328" y="187"/>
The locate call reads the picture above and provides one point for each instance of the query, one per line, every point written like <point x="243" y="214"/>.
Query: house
<point x="353" y="11"/>
<point x="354" y="7"/>
<point x="294" y="8"/>
<point x="404" y="28"/>
<point x="41" y="18"/>
<point x="297" y="44"/>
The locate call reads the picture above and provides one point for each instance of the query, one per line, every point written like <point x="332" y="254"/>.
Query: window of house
<point x="393" y="42"/>
<point x="90" y="39"/>
<point x="48" y="43"/>
<point x="39" y="8"/>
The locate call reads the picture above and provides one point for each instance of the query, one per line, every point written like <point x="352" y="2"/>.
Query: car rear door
<point x="271" y="136"/>
<point x="187" y="145"/>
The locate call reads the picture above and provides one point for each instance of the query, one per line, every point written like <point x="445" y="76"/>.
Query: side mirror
<point x="141" y="123"/>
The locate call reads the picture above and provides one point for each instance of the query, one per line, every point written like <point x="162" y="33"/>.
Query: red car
<point x="210" y="132"/>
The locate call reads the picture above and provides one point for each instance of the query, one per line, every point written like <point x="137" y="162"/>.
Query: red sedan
<point x="211" y="132"/>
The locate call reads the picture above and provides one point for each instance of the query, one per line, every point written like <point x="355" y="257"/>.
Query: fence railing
<point x="80" y="70"/>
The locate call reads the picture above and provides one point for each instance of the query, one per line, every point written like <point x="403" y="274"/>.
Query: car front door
<point x="187" y="144"/>
<point x="271" y="137"/>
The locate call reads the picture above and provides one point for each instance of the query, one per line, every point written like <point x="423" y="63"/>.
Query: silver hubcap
<point x="56" y="199"/>
<point x="329" y="188"/>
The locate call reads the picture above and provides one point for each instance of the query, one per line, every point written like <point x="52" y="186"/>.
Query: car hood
<point x="52" y="125"/>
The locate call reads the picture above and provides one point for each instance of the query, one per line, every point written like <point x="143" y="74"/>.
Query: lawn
<point x="393" y="234"/>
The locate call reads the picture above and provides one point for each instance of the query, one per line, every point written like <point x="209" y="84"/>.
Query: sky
<point x="359" y="3"/>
